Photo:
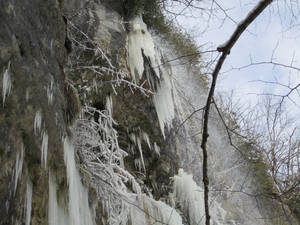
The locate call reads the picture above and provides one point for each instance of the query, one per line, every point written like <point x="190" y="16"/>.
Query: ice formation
<point x="57" y="215"/>
<point x="27" y="95"/>
<point x="146" y="211"/>
<point x="163" y="101"/>
<point x="79" y="210"/>
<point x="140" y="42"/>
<point x="109" y="104"/>
<point x="190" y="197"/>
<point x="18" y="166"/>
<point x="50" y="91"/>
<point x="44" y="149"/>
<point x="28" y="202"/>
<point x="156" y="148"/>
<point x="37" y="122"/>
<point x="6" y="83"/>
<point x="137" y="137"/>
<point x="146" y="138"/>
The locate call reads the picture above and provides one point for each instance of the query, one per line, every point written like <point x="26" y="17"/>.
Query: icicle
<point x="138" y="164"/>
<point x="95" y="85"/>
<point x="156" y="149"/>
<point x="109" y="104"/>
<point x="146" y="139"/>
<point x="140" y="40"/>
<point x="163" y="101"/>
<point x="28" y="202"/>
<point x="132" y="137"/>
<point x="44" y="149"/>
<point x="141" y="152"/>
<point x="6" y="83"/>
<point x="37" y="122"/>
<point x="27" y="95"/>
<point x="19" y="166"/>
<point x="50" y="90"/>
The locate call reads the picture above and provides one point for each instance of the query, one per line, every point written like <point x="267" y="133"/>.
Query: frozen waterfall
<point x="78" y="211"/>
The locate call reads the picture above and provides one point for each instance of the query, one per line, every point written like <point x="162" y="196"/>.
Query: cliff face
<point x="117" y="163"/>
<point x="31" y="116"/>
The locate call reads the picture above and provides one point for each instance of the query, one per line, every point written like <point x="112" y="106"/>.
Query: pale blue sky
<point x="268" y="35"/>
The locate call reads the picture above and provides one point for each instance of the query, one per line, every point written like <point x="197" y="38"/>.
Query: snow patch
<point x="6" y="83"/>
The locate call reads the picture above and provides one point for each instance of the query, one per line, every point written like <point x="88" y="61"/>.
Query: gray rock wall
<point x="32" y="37"/>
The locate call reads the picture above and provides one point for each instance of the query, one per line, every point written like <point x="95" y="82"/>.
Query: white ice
<point x="139" y="39"/>
<point x="37" y="122"/>
<point x="44" y="149"/>
<point x="163" y="101"/>
<point x="18" y="166"/>
<point x="50" y="91"/>
<point x="6" y="83"/>
<point x="147" y="211"/>
<point x="57" y="215"/>
<point x="79" y="209"/>
<point x="28" y="202"/>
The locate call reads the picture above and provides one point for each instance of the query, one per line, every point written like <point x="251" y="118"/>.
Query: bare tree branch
<point x="225" y="49"/>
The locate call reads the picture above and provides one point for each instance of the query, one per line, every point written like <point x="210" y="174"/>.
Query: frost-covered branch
<point x="88" y="56"/>
<point x="96" y="143"/>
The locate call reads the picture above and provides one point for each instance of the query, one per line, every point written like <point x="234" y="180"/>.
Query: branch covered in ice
<point x="101" y="158"/>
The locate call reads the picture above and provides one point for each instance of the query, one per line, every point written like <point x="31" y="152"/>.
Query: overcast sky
<point x="276" y="32"/>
